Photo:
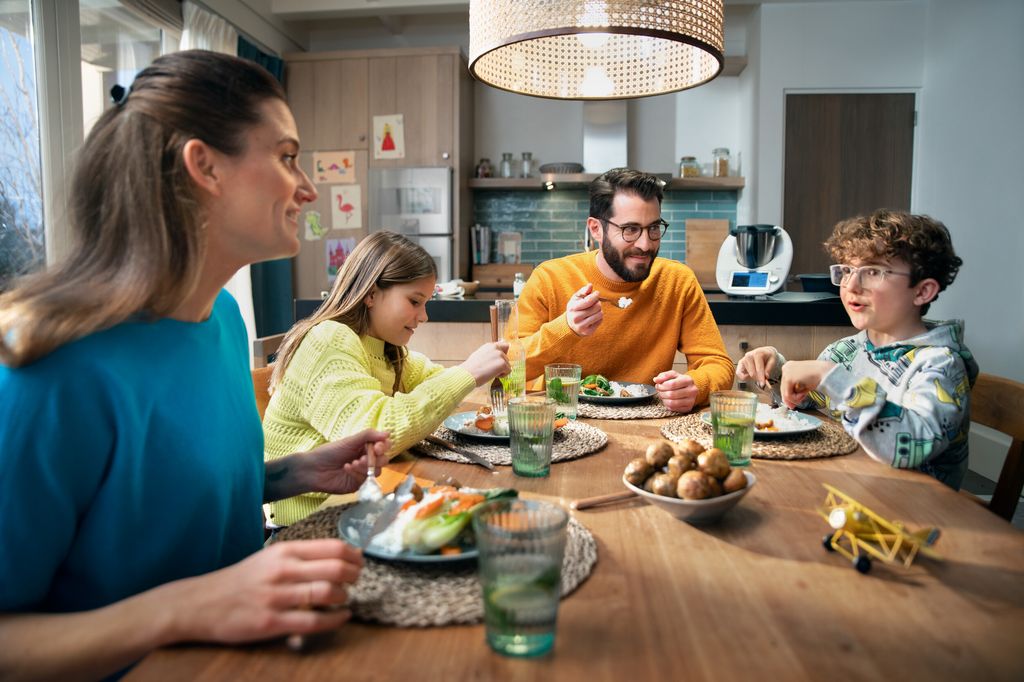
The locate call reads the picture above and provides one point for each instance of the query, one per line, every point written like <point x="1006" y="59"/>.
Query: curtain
<point x="207" y="31"/>
<point x="272" y="280"/>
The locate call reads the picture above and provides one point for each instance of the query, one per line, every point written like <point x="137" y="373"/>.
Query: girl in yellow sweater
<point x="346" y="367"/>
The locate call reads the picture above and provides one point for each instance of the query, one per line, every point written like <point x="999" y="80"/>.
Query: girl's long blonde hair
<point x="381" y="260"/>
<point x="138" y="240"/>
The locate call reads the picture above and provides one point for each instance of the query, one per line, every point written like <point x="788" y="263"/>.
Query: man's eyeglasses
<point x="869" y="276"/>
<point x="631" y="231"/>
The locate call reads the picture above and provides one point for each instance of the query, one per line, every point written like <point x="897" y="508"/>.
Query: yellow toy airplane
<point x="861" y="534"/>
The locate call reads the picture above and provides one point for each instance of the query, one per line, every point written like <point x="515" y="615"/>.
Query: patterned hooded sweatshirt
<point x="906" y="403"/>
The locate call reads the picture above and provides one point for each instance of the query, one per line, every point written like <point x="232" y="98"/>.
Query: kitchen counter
<point x="784" y="309"/>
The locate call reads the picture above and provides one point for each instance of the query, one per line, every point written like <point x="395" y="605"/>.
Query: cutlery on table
<point x="598" y="500"/>
<point x="468" y="454"/>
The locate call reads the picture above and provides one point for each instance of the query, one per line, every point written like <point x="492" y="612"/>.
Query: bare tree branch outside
<point x="22" y="246"/>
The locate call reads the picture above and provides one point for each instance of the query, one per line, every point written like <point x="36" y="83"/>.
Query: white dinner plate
<point x="458" y="423"/>
<point x="808" y="424"/>
<point x="641" y="392"/>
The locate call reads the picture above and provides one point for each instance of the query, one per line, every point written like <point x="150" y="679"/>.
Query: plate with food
<point x="434" y="526"/>
<point x="484" y="425"/>
<point x="597" y="389"/>
<point x="772" y="422"/>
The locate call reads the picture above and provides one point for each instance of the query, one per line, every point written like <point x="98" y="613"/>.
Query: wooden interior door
<point x="846" y="155"/>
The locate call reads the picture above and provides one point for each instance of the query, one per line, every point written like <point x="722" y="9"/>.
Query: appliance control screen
<point x="750" y="280"/>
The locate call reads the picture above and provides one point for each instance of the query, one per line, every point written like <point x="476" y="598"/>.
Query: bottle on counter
<point x="720" y="164"/>
<point x="517" y="285"/>
<point x="688" y="167"/>
<point x="527" y="169"/>
<point x="506" y="165"/>
<point x="483" y="169"/>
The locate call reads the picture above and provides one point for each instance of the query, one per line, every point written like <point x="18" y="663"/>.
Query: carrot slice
<point x="429" y="508"/>
<point x="559" y="423"/>
<point x="466" y="502"/>
<point x="485" y="423"/>
<point x="448" y="551"/>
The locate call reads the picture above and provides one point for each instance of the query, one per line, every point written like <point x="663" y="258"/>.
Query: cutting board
<point x="703" y="240"/>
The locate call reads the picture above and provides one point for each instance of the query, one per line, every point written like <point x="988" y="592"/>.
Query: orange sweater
<point x="669" y="313"/>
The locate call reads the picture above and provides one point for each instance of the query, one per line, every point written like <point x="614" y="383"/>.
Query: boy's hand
<point x="758" y="364"/>
<point x="800" y="377"/>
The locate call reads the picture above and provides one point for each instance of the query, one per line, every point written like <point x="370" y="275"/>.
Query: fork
<point x="370" y="490"/>
<point x="497" y="390"/>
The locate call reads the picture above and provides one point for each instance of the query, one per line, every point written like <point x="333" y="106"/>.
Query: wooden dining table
<point x="753" y="596"/>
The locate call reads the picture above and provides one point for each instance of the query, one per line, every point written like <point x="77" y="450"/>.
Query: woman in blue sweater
<point x="131" y="452"/>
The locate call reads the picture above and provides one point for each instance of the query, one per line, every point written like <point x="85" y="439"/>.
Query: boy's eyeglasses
<point x="631" y="231"/>
<point x="870" y="276"/>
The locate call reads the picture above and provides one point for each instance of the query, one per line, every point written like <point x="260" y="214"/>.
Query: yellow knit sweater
<point x="668" y="313"/>
<point x="339" y="383"/>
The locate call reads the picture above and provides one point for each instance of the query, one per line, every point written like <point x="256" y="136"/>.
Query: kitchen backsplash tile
<point x="552" y="223"/>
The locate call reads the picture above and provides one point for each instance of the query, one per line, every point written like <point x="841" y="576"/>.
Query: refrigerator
<point x="417" y="203"/>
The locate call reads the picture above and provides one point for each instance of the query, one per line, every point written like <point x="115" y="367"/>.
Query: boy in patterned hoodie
<point x="901" y="386"/>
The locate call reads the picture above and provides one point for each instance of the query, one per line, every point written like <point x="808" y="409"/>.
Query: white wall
<point x="971" y="168"/>
<point x="551" y="129"/>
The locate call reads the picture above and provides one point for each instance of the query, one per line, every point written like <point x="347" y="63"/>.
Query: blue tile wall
<point x="553" y="223"/>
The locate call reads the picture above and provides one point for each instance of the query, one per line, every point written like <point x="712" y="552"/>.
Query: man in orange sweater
<point x="622" y="311"/>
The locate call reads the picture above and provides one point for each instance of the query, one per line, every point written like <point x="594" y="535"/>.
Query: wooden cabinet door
<point x="340" y="117"/>
<point x="328" y="100"/>
<point x="422" y="89"/>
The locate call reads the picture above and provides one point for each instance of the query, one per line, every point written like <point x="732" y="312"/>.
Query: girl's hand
<point x="488" y="361"/>
<point x="294" y="587"/>
<point x="800" y="377"/>
<point x="758" y="364"/>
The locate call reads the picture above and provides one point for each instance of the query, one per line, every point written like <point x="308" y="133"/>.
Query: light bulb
<point x="596" y="83"/>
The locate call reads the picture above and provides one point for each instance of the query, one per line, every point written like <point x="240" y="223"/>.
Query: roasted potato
<point x="638" y="471"/>
<point x="690" y="446"/>
<point x="714" y="463"/>
<point x="736" y="480"/>
<point x="664" y="485"/>
<point x="649" y="484"/>
<point x="678" y="464"/>
<point x="714" y="486"/>
<point x="694" y="485"/>
<point x="684" y="460"/>
<point x="658" y="454"/>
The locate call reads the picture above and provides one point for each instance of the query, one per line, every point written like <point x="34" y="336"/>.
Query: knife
<point x="468" y="454"/>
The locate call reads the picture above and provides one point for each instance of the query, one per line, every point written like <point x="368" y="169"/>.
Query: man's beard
<point x="617" y="263"/>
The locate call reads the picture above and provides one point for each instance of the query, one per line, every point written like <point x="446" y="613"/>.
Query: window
<point x="22" y="245"/>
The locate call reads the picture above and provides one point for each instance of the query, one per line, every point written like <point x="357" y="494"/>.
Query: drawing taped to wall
<point x="389" y="137"/>
<point x="346" y="207"/>
<point x="334" y="167"/>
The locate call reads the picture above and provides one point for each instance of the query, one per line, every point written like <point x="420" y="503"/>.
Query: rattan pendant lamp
<point x="595" y="49"/>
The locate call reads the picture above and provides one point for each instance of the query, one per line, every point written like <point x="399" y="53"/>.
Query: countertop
<point x="789" y="308"/>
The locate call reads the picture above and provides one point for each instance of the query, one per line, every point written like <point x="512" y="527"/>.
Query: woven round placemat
<point x="423" y="595"/>
<point x="828" y="440"/>
<point x="573" y="440"/>
<point x="649" y="409"/>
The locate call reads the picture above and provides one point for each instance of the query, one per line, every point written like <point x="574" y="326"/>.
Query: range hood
<point x="605" y="135"/>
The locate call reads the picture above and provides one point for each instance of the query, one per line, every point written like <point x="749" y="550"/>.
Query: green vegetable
<point x="424" y="536"/>
<point x="604" y="388"/>
<point x="556" y="391"/>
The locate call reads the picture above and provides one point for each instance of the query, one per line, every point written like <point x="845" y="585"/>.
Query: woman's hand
<point x="677" y="391"/>
<point x="758" y="364"/>
<point x="488" y="361"/>
<point x="335" y="467"/>
<point x="288" y="588"/>
<point x="800" y="377"/>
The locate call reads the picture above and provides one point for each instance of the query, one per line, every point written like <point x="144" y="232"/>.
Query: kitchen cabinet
<point x="334" y="97"/>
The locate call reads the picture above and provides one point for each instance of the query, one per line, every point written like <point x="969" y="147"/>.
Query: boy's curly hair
<point x="919" y="240"/>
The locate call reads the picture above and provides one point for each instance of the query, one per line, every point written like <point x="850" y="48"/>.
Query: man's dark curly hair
<point x="622" y="180"/>
<point x="920" y="241"/>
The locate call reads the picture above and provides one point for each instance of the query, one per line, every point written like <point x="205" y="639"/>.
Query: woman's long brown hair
<point x="137" y="230"/>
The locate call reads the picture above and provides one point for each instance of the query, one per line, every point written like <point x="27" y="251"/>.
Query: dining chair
<point x="263" y="349"/>
<point x="998" y="403"/>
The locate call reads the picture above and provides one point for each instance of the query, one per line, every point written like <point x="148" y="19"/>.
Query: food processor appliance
<point x="754" y="260"/>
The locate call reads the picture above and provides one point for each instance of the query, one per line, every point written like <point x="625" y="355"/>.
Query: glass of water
<point x="521" y="545"/>
<point x="732" y="423"/>
<point x="531" y="426"/>
<point x="562" y="383"/>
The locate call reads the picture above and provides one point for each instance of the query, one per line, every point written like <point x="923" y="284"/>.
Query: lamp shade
<point x="593" y="49"/>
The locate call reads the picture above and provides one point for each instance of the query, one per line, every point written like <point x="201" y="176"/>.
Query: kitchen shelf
<point x="578" y="180"/>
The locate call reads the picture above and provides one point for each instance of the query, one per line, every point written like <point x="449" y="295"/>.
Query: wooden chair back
<point x="265" y="347"/>
<point x="998" y="403"/>
<point x="261" y="386"/>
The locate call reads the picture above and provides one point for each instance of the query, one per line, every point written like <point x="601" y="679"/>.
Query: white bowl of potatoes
<point x="693" y="484"/>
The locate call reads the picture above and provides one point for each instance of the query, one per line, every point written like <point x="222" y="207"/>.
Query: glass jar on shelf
<point x="720" y="164"/>
<point x="527" y="169"/>
<point x="506" y="165"/>
<point x="483" y="169"/>
<point x="688" y="167"/>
